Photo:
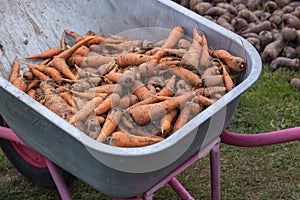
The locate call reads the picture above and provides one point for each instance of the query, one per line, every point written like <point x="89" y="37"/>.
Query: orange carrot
<point x="83" y="51"/>
<point x="211" y="90"/>
<point x="47" y="54"/>
<point x="111" y="122"/>
<point x="132" y="59"/>
<point x="31" y="93"/>
<point x="175" y="35"/>
<point x="68" y="52"/>
<point x="20" y="83"/>
<point x="40" y="75"/>
<point x="233" y="62"/>
<point x="87" y="109"/>
<point x="73" y="34"/>
<point x="188" y="75"/>
<point x="185" y="115"/>
<point x="123" y="139"/>
<point x="110" y="88"/>
<point x="68" y="98"/>
<point x="108" y="103"/>
<point x="15" y="70"/>
<point x="140" y="90"/>
<point x="166" y="120"/>
<point x="100" y="119"/>
<point x="203" y="100"/>
<point x="143" y="114"/>
<point x="28" y="75"/>
<point x="63" y="42"/>
<point x="227" y="79"/>
<point x="35" y="82"/>
<point x="52" y="72"/>
<point x="61" y="65"/>
<point x="114" y="76"/>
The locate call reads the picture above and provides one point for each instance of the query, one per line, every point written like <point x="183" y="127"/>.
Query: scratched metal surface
<point x="29" y="27"/>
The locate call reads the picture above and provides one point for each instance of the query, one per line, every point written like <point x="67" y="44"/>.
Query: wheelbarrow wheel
<point x="30" y="163"/>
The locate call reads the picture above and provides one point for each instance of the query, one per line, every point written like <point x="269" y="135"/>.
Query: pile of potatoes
<point x="272" y="27"/>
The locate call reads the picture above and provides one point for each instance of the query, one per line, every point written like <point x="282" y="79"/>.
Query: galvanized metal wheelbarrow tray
<point x="28" y="27"/>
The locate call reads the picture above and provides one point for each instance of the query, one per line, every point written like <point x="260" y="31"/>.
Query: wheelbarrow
<point x="52" y="143"/>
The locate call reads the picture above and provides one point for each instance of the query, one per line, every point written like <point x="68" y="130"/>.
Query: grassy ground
<point x="271" y="172"/>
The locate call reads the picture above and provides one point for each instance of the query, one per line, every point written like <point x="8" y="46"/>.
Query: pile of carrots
<point x="129" y="93"/>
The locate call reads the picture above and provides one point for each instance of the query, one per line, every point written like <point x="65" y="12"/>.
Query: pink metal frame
<point x="230" y="138"/>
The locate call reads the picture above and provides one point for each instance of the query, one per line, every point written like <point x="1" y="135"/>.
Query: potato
<point x="289" y="34"/>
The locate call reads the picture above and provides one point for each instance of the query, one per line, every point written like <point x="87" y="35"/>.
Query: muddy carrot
<point x="47" y="54"/>
<point x="203" y="100"/>
<point x="183" y="117"/>
<point x="128" y="100"/>
<point x="87" y="109"/>
<point x="31" y="93"/>
<point x="188" y="75"/>
<point x="175" y="35"/>
<point x="166" y="121"/>
<point x="131" y="59"/>
<point x="213" y="80"/>
<point x="227" y="79"/>
<point x="123" y="139"/>
<point x="110" y="88"/>
<point x="143" y="114"/>
<point x="208" y="91"/>
<point x="140" y="90"/>
<point x="111" y="122"/>
<point x="68" y="98"/>
<point x="233" y="62"/>
<point x="95" y="60"/>
<point x="108" y="103"/>
<point x="61" y="65"/>
<point x="52" y="72"/>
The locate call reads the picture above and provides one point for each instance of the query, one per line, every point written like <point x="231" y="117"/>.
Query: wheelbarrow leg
<point x="179" y="189"/>
<point x="215" y="172"/>
<point x="58" y="180"/>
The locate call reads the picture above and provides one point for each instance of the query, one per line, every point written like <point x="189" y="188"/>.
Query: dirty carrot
<point x="61" y="65"/>
<point x="124" y="139"/>
<point x="131" y="59"/>
<point x="213" y="80"/>
<point x="143" y="114"/>
<point x="166" y="120"/>
<point x="87" y="109"/>
<point x="111" y="122"/>
<point x="175" y="35"/>
<point x="108" y="103"/>
<point x="227" y="79"/>
<point x="233" y="62"/>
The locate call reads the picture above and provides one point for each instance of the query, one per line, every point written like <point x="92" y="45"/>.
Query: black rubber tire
<point x="37" y="175"/>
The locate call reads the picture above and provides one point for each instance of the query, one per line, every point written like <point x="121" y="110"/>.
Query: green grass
<point x="271" y="172"/>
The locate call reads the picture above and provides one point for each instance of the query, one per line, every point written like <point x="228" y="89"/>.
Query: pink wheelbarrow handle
<point x="262" y="139"/>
